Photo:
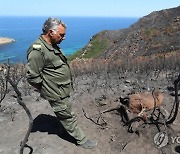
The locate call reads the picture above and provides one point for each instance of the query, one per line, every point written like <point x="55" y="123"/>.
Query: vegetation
<point x="92" y="50"/>
<point x="14" y="75"/>
<point x="75" y="55"/>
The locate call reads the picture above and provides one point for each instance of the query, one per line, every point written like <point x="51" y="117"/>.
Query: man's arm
<point x="34" y="67"/>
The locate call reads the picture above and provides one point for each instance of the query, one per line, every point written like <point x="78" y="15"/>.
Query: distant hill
<point x="158" y="32"/>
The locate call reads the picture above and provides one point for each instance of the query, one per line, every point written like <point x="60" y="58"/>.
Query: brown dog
<point x="140" y="103"/>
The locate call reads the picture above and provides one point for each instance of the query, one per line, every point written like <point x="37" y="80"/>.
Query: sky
<point x="100" y="8"/>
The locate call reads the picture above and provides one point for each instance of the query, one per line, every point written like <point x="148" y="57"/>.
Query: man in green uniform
<point x="49" y="72"/>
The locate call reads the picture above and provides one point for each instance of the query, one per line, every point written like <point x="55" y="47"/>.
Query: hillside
<point x="158" y="32"/>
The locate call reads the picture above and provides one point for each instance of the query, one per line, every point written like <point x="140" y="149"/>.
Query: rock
<point x="127" y="81"/>
<point x="5" y="40"/>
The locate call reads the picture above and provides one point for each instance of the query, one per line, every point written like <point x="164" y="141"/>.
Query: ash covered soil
<point x="92" y="94"/>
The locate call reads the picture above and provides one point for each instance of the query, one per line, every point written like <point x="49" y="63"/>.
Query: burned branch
<point x="4" y="73"/>
<point x="14" y="83"/>
<point x="98" y="120"/>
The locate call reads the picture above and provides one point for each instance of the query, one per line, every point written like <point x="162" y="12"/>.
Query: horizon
<point x="81" y="8"/>
<point x="71" y="16"/>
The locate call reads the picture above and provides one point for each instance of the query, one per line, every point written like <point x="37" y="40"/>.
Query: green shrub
<point x="93" y="50"/>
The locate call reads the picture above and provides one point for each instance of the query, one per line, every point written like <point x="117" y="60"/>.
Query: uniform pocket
<point x="57" y="64"/>
<point x="65" y="89"/>
<point x="54" y="64"/>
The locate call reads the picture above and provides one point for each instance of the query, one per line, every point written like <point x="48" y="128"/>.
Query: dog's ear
<point x="124" y="101"/>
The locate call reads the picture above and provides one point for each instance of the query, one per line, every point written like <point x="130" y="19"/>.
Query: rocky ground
<point x="93" y="94"/>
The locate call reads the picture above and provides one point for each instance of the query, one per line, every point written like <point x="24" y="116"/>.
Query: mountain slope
<point x="155" y="33"/>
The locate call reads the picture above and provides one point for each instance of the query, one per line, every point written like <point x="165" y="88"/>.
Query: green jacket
<point x="47" y="66"/>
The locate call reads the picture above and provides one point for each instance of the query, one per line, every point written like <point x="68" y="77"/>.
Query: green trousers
<point x="63" y="110"/>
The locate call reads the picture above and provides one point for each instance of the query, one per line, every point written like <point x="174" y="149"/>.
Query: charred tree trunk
<point x="172" y="118"/>
<point x="19" y="100"/>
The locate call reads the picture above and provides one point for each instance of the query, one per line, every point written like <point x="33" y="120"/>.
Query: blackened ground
<point x="92" y="95"/>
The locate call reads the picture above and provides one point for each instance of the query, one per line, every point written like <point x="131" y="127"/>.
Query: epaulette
<point x="37" y="46"/>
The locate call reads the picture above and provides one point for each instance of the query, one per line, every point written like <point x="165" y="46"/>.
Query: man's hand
<point x="38" y="86"/>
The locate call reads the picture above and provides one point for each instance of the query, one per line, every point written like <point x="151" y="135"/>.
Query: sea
<point x="25" y="30"/>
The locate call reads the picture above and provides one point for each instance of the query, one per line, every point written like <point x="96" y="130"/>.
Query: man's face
<point x="58" y="36"/>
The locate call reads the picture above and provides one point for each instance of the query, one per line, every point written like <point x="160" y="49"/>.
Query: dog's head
<point x="158" y="95"/>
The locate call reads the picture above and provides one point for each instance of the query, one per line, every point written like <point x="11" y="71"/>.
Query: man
<point x="49" y="72"/>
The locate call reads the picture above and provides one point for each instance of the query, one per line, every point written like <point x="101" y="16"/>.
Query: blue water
<point x="79" y="31"/>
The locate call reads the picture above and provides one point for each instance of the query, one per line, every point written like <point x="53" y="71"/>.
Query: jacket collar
<point x="54" y="48"/>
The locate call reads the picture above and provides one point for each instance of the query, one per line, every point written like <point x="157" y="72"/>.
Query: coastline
<point x="6" y="40"/>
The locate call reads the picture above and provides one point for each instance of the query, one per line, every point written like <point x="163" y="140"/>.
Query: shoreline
<point x="6" y="40"/>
